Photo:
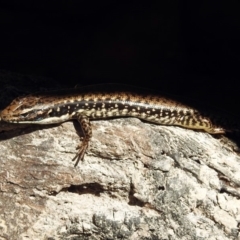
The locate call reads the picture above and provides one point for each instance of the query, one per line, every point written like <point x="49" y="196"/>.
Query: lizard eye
<point x="24" y="115"/>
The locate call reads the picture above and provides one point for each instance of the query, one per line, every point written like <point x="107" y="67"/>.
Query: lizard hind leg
<point x="87" y="134"/>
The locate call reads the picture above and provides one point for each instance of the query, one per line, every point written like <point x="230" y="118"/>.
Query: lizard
<point x="101" y="102"/>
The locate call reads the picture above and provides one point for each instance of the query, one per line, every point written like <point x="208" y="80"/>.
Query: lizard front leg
<point x="87" y="134"/>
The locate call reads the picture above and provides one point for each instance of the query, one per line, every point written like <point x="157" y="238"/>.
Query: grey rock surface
<point x="137" y="181"/>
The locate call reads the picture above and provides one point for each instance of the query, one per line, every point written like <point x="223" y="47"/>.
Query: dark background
<point x="179" y="47"/>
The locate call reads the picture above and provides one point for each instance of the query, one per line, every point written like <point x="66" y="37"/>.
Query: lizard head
<point x="37" y="109"/>
<point x="24" y="110"/>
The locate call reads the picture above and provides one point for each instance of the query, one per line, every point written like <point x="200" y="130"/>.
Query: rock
<point x="137" y="181"/>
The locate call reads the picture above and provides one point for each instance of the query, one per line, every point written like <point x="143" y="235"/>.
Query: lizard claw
<point x="81" y="152"/>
